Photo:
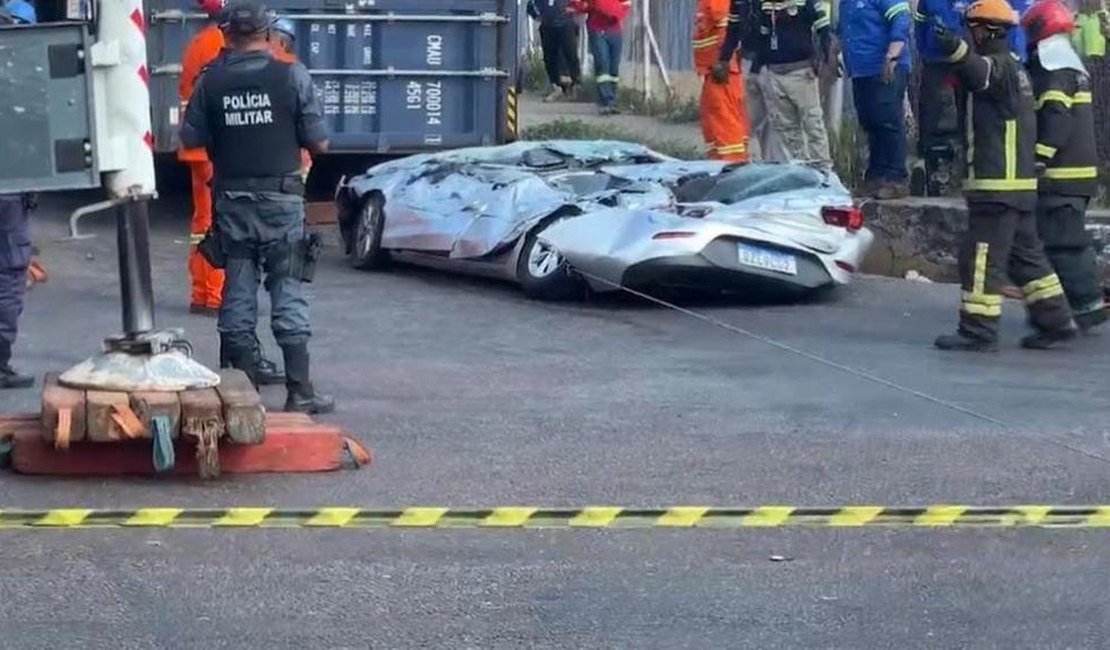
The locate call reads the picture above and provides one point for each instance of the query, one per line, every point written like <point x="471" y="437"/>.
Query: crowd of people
<point x="1031" y="163"/>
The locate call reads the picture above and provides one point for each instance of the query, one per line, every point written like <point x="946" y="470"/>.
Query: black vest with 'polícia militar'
<point x="252" y="116"/>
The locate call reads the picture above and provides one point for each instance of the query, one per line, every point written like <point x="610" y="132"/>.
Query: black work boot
<point x="268" y="372"/>
<point x="1092" y="319"/>
<point x="302" y="397"/>
<point x="1045" y="339"/>
<point x="9" y="378"/>
<point x="960" y="342"/>
<point x="239" y="357"/>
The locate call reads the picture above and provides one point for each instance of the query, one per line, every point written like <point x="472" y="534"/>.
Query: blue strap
<point x="163" y="443"/>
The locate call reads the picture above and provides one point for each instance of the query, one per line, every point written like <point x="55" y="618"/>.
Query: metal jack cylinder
<point x="136" y="286"/>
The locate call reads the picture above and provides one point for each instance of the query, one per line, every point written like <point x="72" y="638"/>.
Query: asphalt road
<point x="471" y="394"/>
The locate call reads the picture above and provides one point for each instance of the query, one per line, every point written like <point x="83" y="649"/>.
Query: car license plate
<point x="761" y="258"/>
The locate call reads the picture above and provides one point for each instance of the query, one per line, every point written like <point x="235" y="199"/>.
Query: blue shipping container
<point x="394" y="76"/>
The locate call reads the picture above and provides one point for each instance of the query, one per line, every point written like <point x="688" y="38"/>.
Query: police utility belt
<point x="304" y="253"/>
<point x="292" y="184"/>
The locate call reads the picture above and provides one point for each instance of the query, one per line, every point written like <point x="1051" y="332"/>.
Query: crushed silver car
<point x="558" y="216"/>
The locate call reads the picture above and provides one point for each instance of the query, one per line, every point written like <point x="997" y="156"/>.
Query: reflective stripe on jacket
<point x="710" y="25"/>
<point x="1004" y="127"/>
<point x="929" y="14"/>
<point x="867" y="28"/>
<point x="1066" y="141"/>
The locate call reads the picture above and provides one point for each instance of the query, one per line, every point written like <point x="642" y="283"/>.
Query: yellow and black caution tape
<point x="958" y="516"/>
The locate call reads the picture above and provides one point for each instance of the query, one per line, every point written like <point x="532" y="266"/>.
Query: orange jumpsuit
<point x="208" y="282"/>
<point x="724" y="112"/>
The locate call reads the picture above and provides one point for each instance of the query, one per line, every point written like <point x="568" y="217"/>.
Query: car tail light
<point x="846" y="266"/>
<point x="673" y="234"/>
<point x="849" y="217"/>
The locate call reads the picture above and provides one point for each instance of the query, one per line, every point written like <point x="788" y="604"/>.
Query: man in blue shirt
<point x="874" y="36"/>
<point x="1017" y="34"/>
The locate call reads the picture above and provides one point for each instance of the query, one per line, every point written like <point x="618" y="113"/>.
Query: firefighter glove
<point x="947" y="41"/>
<point x="719" y="72"/>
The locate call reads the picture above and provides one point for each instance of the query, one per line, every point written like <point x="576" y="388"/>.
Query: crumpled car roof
<point x="507" y="190"/>
<point x="531" y="154"/>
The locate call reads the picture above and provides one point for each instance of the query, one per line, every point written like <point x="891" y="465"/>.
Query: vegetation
<point x="568" y="129"/>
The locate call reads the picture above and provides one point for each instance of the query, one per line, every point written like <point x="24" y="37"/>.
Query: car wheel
<point x="366" y="245"/>
<point x="544" y="274"/>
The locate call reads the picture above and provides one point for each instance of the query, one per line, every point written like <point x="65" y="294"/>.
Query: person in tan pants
<point x="779" y="34"/>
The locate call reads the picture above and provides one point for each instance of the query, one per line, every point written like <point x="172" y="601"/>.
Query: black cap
<point x="247" y="17"/>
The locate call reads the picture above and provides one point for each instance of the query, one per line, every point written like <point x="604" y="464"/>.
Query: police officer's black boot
<point x="239" y="357"/>
<point x="302" y="397"/>
<point x="268" y="372"/>
<point x="9" y="378"/>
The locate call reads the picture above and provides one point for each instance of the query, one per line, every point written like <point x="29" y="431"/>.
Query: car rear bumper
<point x="717" y="268"/>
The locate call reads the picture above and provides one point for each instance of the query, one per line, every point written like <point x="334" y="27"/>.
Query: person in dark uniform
<point x="1001" y="190"/>
<point x="15" y="257"/>
<point x="254" y="114"/>
<point x="15" y="242"/>
<point x="1067" y="150"/>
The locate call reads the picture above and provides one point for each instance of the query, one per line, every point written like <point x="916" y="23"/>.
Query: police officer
<point x="1001" y="190"/>
<point x="254" y="114"/>
<point x="15" y="242"/>
<point x="1066" y="147"/>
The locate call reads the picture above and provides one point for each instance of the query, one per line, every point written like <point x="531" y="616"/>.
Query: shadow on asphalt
<point x="609" y="300"/>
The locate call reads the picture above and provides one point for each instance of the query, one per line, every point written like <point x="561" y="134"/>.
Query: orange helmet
<point x="991" y="13"/>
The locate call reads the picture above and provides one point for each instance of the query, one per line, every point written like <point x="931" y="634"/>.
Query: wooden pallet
<point x="233" y="409"/>
<point x="293" y="443"/>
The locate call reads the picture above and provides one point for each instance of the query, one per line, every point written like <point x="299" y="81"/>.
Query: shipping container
<point x="394" y="76"/>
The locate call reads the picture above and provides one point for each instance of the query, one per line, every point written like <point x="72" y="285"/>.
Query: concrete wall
<point x="922" y="235"/>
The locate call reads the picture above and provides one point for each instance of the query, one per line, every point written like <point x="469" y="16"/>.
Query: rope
<point x="862" y="374"/>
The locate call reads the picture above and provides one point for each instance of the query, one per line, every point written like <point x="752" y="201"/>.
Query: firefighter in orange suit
<point x="208" y="282"/>
<point x="724" y="113"/>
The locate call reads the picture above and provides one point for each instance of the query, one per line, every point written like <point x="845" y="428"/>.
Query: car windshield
<point x="742" y="183"/>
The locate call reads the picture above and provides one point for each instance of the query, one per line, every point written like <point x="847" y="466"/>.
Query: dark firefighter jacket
<point x="1065" y="131"/>
<point x="1004" y="126"/>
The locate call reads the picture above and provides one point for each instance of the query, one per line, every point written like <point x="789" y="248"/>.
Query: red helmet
<point x="211" y="7"/>
<point x="1047" y="18"/>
